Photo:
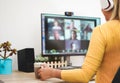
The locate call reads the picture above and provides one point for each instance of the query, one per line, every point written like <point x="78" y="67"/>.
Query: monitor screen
<point x="66" y="35"/>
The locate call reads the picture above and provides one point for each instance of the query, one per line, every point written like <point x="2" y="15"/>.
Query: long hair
<point x="116" y="10"/>
<point x="73" y="32"/>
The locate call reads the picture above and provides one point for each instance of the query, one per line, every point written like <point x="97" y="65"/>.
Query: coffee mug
<point x="37" y="66"/>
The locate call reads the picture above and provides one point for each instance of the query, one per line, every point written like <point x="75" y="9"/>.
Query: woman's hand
<point x="46" y="72"/>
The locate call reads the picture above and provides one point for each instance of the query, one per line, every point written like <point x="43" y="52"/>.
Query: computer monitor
<point x="63" y="35"/>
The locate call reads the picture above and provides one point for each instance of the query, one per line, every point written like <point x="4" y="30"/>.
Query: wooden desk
<point x="22" y="77"/>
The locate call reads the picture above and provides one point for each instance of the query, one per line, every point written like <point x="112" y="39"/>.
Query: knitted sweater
<point x="102" y="58"/>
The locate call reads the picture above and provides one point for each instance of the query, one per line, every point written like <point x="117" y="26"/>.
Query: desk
<point x="23" y="77"/>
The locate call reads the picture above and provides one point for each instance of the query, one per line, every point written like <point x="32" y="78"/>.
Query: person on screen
<point x="88" y="29"/>
<point x="56" y="35"/>
<point x="103" y="55"/>
<point x="73" y="46"/>
<point x="73" y="35"/>
<point x="56" y="25"/>
<point x="72" y="26"/>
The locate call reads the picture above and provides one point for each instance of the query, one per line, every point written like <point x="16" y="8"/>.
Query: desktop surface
<point x="23" y="77"/>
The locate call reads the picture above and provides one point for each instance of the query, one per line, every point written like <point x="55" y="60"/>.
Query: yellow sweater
<point x="102" y="58"/>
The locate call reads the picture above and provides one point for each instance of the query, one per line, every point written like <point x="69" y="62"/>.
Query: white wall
<point x="20" y="20"/>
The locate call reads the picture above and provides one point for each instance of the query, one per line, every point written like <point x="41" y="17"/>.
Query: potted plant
<point x="5" y="62"/>
<point x="39" y="58"/>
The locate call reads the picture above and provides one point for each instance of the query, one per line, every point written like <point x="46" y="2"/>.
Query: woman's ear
<point x="107" y="14"/>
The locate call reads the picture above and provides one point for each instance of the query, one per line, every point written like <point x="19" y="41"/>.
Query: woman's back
<point x="111" y="57"/>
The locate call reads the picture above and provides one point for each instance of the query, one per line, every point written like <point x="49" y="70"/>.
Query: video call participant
<point x="72" y="26"/>
<point x="73" y="46"/>
<point x="73" y="35"/>
<point x="56" y="35"/>
<point x="56" y="25"/>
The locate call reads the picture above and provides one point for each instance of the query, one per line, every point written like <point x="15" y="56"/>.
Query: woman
<point x="103" y="56"/>
<point x="56" y="35"/>
<point x="73" y="35"/>
<point x="56" y="25"/>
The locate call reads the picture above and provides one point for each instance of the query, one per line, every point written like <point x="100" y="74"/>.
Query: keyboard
<point x="69" y="67"/>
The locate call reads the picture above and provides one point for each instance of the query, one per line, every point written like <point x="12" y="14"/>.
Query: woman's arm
<point x="92" y="60"/>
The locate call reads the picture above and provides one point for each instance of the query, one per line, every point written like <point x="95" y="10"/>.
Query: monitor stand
<point x="68" y="61"/>
<point x="69" y="65"/>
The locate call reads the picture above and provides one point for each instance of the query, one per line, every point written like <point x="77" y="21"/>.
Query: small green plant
<point x="39" y="58"/>
<point x="6" y="50"/>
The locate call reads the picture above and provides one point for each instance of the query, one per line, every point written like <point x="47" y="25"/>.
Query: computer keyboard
<point x="69" y="67"/>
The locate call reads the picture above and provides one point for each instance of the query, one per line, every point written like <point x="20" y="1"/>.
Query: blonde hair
<point x="116" y="10"/>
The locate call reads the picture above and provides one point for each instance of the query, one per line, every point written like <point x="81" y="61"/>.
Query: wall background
<point x="20" y="21"/>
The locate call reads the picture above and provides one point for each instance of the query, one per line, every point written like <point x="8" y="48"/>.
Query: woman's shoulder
<point x="107" y="27"/>
<point x="109" y="24"/>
